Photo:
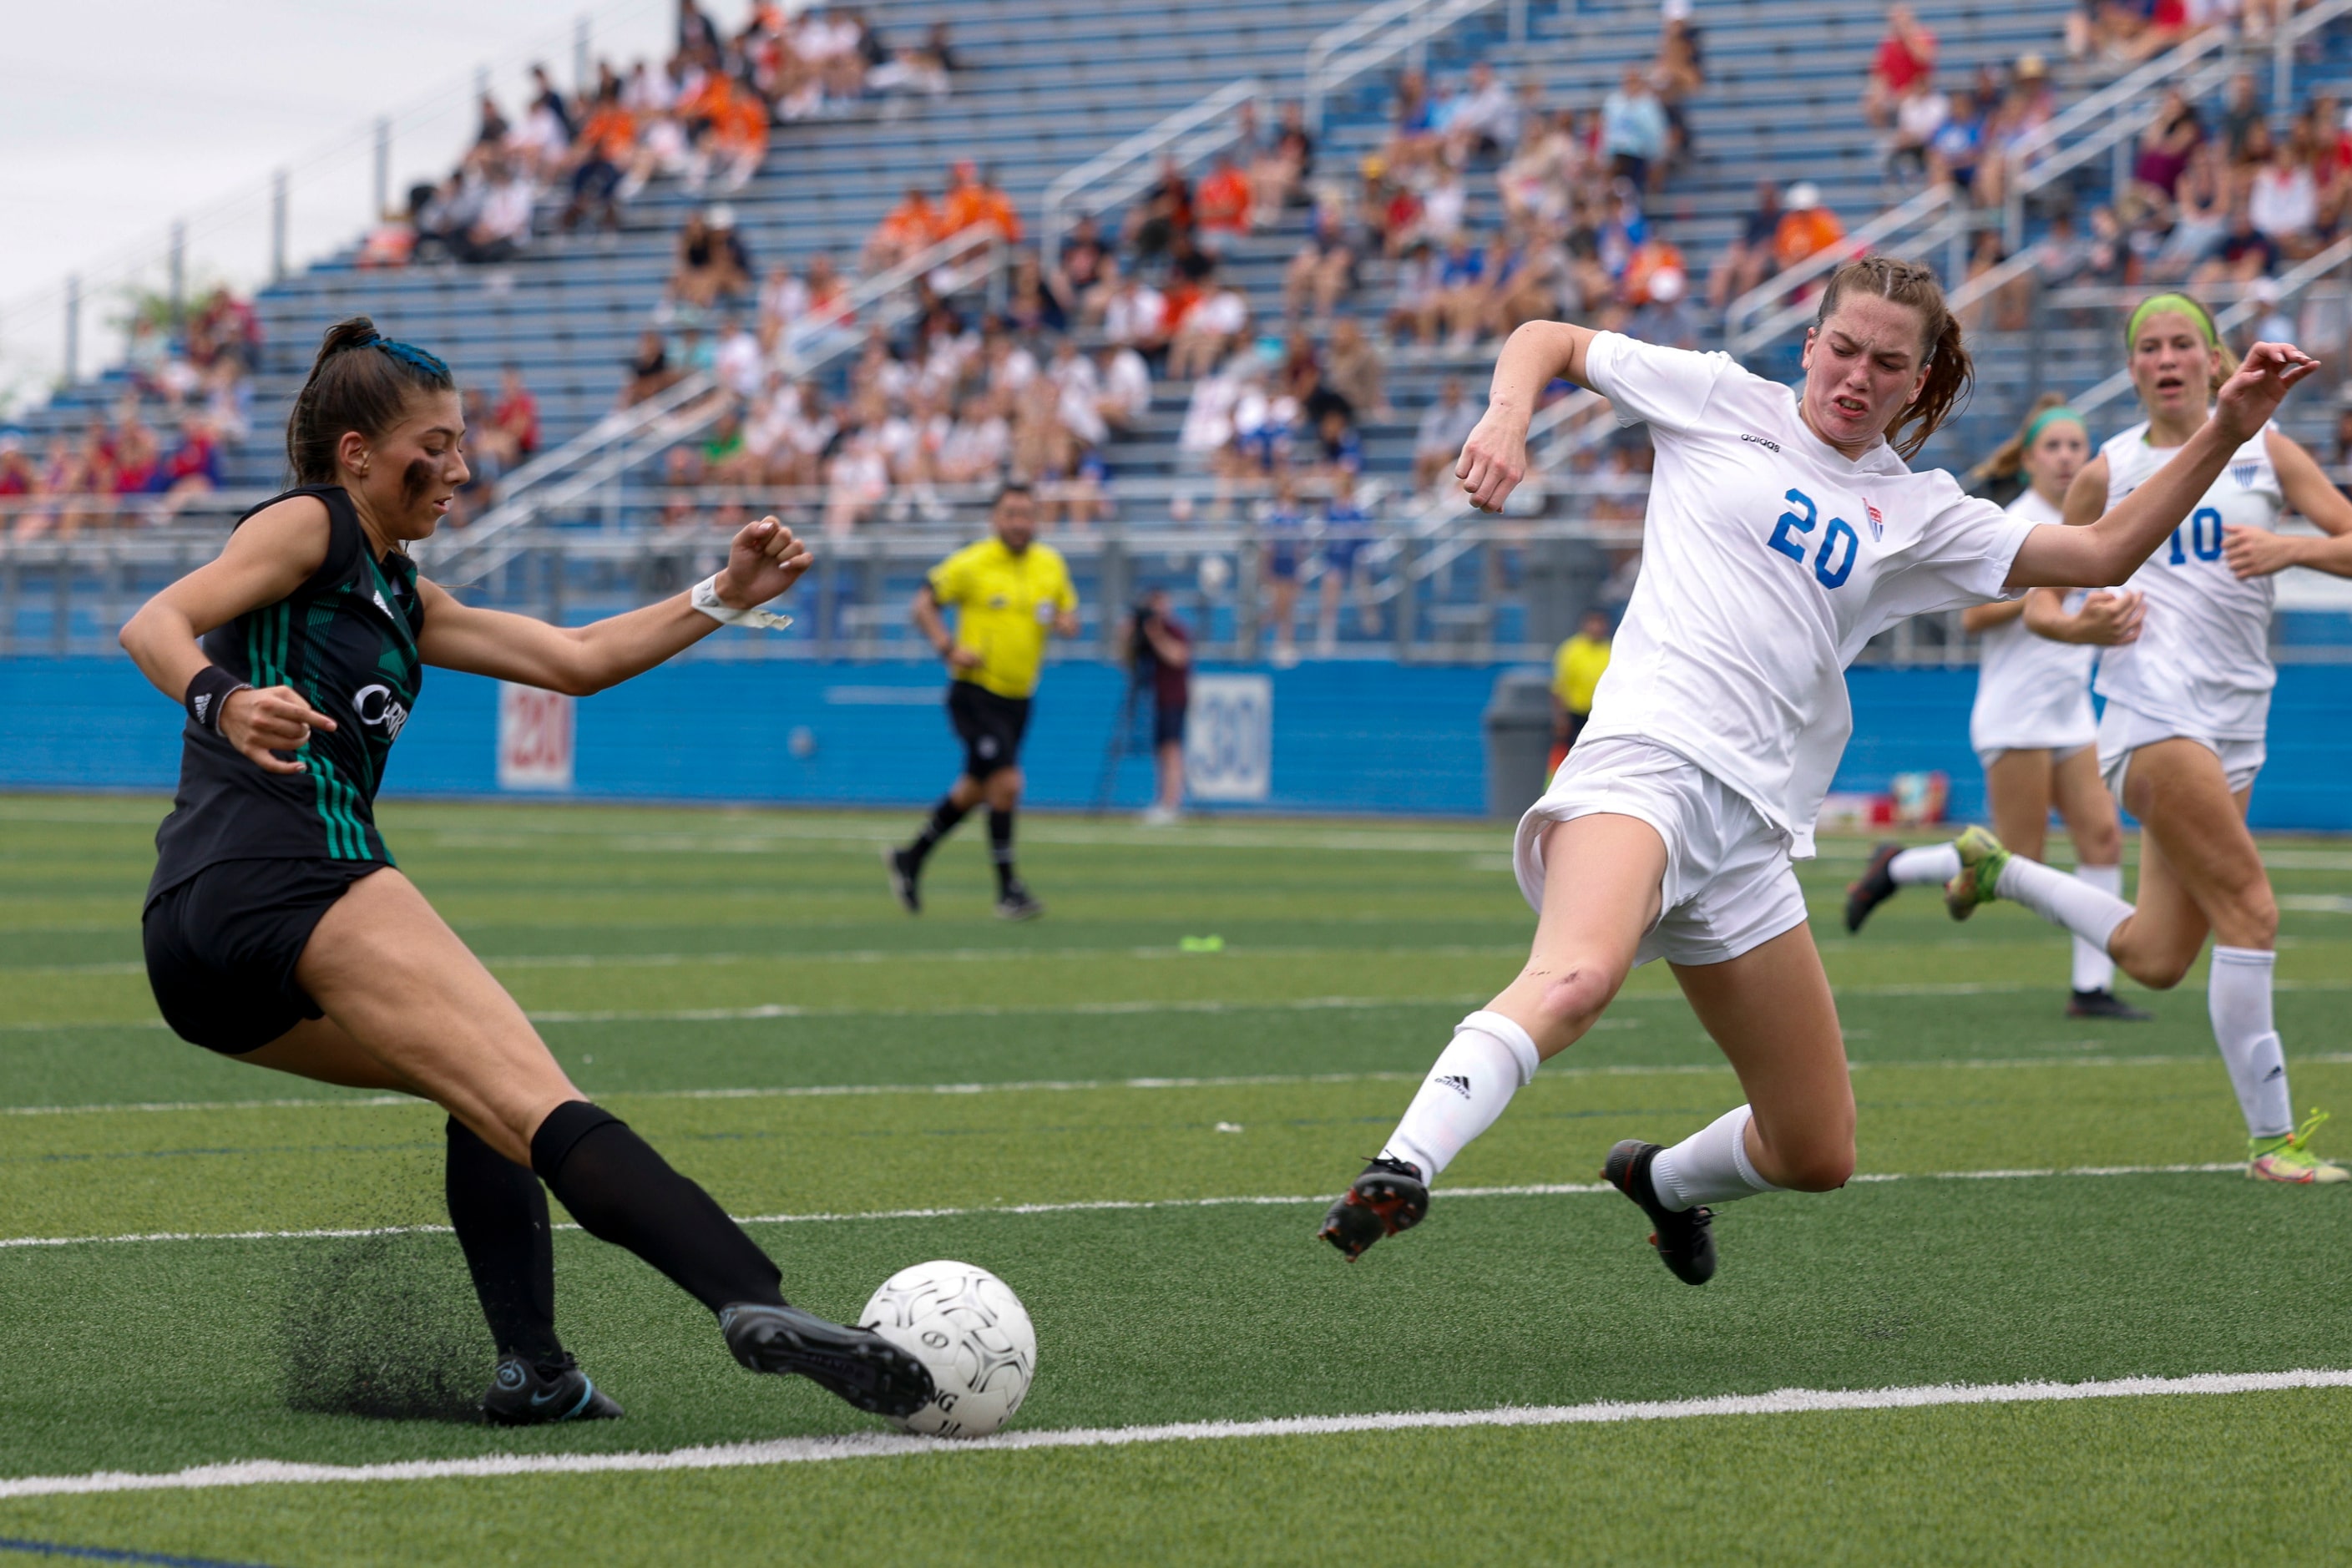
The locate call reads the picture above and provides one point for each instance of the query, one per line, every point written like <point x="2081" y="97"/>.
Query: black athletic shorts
<point x="222" y="946"/>
<point x="989" y="726"/>
<point x="1167" y="725"/>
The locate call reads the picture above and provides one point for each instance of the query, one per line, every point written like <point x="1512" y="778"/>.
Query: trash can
<point x="1518" y="740"/>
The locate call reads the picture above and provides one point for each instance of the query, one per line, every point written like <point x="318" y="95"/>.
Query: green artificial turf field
<point x="1140" y="1139"/>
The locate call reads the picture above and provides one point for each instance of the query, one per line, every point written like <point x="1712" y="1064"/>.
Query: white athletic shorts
<point x="1987" y="756"/>
<point x="2123" y="731"/>
<point x="1730" y="885"/>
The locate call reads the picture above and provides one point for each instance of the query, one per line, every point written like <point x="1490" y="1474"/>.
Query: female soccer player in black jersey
<point x="279" y="931"/>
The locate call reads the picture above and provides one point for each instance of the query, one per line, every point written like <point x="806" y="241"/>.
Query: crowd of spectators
<point x="701" y="117"/>
<point x="189" y="395"/>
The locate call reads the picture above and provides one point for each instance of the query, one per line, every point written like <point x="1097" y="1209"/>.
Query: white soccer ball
<point x="972" y="1332"/>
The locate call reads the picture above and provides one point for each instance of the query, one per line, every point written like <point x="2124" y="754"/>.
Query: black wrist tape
<point x="209" y="692"/>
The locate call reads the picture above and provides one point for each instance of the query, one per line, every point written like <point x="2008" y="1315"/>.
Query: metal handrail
<point x="1400" y="24"/>
<point x="2289" y="285"/>
<point x="1118" y="172"/>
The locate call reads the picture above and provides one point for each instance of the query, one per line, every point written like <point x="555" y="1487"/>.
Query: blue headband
<point x="407" y="353"/>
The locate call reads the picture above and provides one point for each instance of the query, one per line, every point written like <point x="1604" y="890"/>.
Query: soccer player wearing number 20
<point x="1784" y="530"/>
<point x="2183" y="733"/>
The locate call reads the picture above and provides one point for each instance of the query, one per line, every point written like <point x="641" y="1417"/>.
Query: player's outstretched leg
<point x="1892" y="867"/>
<point x="500" y="1212"/>
<point x="621" y="1191"/>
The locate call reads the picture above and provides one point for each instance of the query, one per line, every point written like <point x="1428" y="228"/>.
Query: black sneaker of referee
<point x="1684" y="1238"/>
<point x="905" y="868"/>
<point x="1016" y="903"/>
<point x="522" y="1394"/>
<point x="857" y="1364"/>
<point x="1877" y="886"/>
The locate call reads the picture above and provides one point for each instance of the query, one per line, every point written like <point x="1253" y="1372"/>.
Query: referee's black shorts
<point x="989" y="725"/>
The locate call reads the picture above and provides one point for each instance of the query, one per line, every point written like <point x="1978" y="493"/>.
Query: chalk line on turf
<point x="1108" y="1206"/>
<point x="883" y="1445"/>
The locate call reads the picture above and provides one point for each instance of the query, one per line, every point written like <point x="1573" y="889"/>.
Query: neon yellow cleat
<point x="1982" y="858"/>
<point x="2288" y="1158"/>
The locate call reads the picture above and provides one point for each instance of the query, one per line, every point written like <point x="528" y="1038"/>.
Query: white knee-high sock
<point x="2089" y="913"/>
<point x="1489" y="1059"/>
<point x="1937" y="863"/>
<point x="2238" y="998"/>
<point x="1710" y="1166"/>
<point x="2093" y="970"/>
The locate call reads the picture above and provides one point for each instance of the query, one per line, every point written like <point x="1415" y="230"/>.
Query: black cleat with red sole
<point x="1684" y="1238"/>
<point x="1877" y="886"/>
<point x="1389" y="1197"/>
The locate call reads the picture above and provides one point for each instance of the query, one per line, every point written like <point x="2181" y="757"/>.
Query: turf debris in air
<point x="382" y="1327"/>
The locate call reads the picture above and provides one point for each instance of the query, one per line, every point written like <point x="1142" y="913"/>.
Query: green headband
<point x="2155" y="304"/>
<point x="2033" y="431"/>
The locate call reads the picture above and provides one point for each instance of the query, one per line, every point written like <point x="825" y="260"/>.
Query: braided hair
<point x="1950" y="373"/>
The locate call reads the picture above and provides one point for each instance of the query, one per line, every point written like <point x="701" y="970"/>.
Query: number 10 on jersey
<point x="1839" y="542"/>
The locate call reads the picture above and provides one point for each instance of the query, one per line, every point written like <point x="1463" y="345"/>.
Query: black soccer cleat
<point x="524" y="1395"/>
<point x="1686" y="1243"/>
<point x="857" y="1364"/>
<point x="1877" y="885"/>
<point x="2103" y="1005"/>
<point x="1389" y="1197"/>
<point x="1016" y="903"/>
<point x="906" y="878"/>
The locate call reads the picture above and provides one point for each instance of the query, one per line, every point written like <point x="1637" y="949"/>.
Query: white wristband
<point x="705" y="597"/>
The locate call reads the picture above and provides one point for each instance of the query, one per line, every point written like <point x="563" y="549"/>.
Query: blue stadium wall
<point x="1347" y="737"/>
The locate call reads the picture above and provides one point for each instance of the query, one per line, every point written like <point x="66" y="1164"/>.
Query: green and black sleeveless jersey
<point x="345" y="640"/>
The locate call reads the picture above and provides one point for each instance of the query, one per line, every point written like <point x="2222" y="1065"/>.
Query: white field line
<point x="882" y="1445"/>
<point x="1103" y="1205"/>
<point x="1067" y="1086"/>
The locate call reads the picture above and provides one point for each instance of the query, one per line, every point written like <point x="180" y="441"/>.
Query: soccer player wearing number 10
<point x="1784" y="530"/>
<point x="2183" y="733"/>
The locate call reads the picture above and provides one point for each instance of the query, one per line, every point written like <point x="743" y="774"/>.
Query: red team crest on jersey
<point x="1878" y="523"/>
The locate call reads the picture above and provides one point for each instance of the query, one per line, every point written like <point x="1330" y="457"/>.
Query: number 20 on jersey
<point x="1833" y="563"/>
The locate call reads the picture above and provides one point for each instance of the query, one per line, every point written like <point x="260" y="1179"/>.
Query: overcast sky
<point x="120" y="117"/>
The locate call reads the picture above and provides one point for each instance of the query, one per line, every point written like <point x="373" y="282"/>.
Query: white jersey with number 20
<point x="2202" y="660"/>
<point x="1768" y="560"/>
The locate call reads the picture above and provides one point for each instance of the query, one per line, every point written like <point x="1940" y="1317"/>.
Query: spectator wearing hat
<point x="1806" y="229"/>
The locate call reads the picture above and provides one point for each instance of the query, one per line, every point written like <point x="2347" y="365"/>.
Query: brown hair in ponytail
<point x="2009" y="457"/>
<point x="361" y="380"/>
<point x="1950" y="374"/>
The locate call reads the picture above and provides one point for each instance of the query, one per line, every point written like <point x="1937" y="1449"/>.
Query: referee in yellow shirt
<point x="1575" y="671"/>
<point x="1009" y="593"/>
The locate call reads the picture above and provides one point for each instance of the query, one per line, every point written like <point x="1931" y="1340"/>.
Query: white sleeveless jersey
<point x="2033" y="694"/>
<point x="2202" y="660"/>
<point x="1768" y="560"/>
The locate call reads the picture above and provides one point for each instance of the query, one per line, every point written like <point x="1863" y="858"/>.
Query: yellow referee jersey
<point x="1005" y="605"/>
<point x="1577" y="669"/>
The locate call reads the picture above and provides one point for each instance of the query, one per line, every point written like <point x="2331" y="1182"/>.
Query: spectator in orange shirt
<point x="911" y="228"/>
<point x="1806" y="229"/>
<point x="973" y="203"/>
<point x="599" y="155"/>
<point x="735" y="144"/>
<point x="1222" y="206"/>
<point x="1653" y="255"/>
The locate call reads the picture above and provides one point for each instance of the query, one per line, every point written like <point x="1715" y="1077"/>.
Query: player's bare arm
<point x="2112" y="549"/>
<point x="2258" y="552"/>
<point x="765" y="560"/>
<point x="1494" y="458"/>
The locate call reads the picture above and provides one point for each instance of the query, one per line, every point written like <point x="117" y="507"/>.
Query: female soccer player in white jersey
<point x="2032" y="726"/>
<point x="2188" y="704"/>
<point x="1784" y="529"/>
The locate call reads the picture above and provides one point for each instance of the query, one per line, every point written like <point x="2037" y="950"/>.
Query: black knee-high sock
<point x="944" y="818"/>
<point x="499" y="1211"/>
<point x="621" y="1192"/>
<point x="1000" y="846"/>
